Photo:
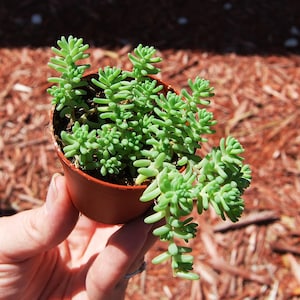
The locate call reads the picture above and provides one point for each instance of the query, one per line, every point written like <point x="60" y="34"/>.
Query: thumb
<point x="31" y="232"/>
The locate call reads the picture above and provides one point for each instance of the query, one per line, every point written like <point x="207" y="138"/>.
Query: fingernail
<point x="52" y="192"/>
<point x="53" y="184"/>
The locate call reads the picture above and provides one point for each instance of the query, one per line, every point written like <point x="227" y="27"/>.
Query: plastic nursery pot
<point x="97" y="199"/>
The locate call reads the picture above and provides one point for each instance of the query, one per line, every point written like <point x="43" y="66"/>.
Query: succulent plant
<point x="123" y="123"/>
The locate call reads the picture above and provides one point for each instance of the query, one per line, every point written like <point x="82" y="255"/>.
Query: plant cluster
<point x="126" y="121"/>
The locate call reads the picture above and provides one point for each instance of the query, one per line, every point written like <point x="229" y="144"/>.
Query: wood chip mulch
<point x="257" y="100"/>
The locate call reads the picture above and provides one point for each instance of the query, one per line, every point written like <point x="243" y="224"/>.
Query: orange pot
<point x="100" y="200"/>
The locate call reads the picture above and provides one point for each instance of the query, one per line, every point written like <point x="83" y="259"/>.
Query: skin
<point x="51" y="253"/>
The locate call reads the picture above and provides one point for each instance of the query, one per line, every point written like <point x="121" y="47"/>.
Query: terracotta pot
<point x="100" y="200"/>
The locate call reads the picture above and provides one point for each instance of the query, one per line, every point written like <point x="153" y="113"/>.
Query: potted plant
<point x="128" y="130"/>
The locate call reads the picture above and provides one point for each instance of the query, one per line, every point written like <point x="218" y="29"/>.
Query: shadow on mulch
<point x="240" y="26"/>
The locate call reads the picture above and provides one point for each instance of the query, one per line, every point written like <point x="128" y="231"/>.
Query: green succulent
<point x="130" y="125"/>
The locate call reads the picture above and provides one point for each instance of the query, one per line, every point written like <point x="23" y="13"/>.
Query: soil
<point x="250" y="52"/>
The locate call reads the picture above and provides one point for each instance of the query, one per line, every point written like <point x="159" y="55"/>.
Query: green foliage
<point x="67" y="94"/>
<point x="81" y="143"/>
<point x="142" y="61"/>
<point x="218" y="180"/>
<point x="130" y="123"/>
<point x="200" y="89"/>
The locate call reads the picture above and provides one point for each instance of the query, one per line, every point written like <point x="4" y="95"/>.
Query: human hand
<point x="48" y="253"/>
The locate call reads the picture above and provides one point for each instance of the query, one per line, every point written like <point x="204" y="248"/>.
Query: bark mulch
<point x="257" y="100"/>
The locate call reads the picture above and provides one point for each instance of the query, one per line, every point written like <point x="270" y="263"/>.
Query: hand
<point x="48" y="253"/>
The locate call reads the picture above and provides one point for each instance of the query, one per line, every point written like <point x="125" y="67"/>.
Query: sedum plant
<point x="124" y="126"/>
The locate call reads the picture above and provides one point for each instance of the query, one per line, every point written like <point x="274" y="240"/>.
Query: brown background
<point x="243" y="48"/>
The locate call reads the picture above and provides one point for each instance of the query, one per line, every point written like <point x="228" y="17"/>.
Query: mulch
<point x="255" y="69"/>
